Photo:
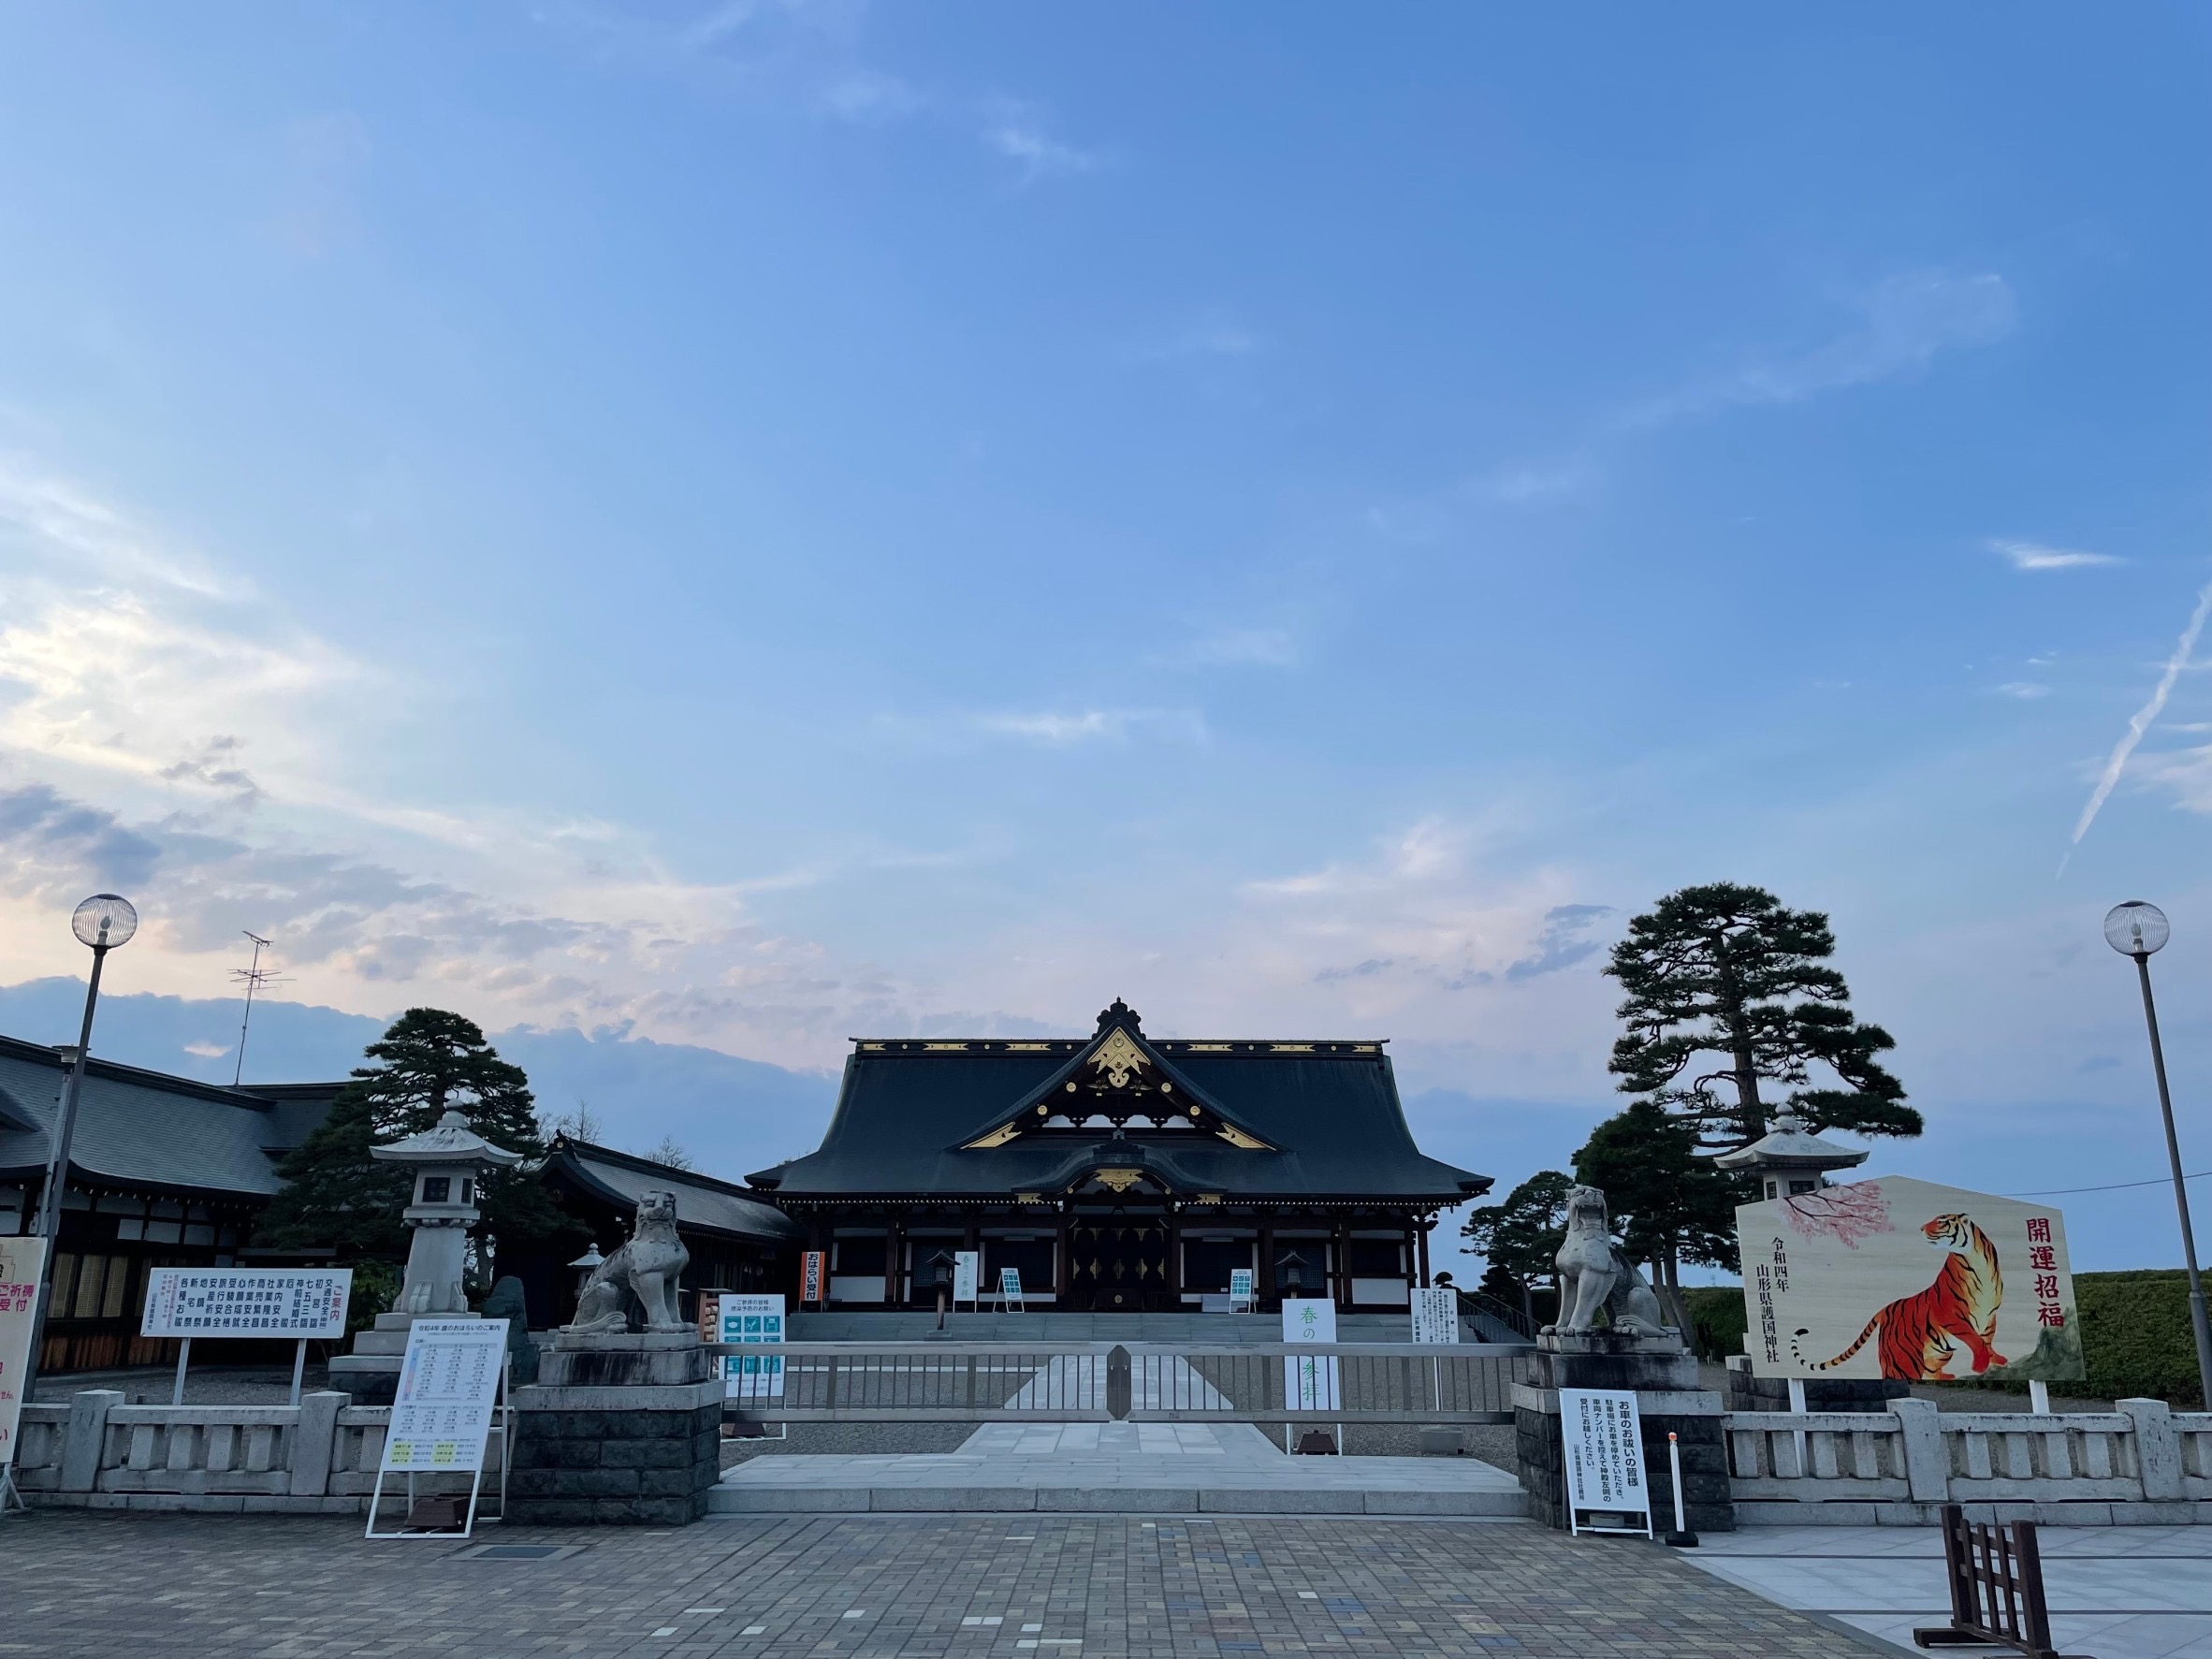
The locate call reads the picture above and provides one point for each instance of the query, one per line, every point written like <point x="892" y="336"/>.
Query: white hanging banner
<point x="290" y="1303"/>
<point x="1309" y="1380"/>
<point x="1436" y="1314"/>
<point x="22" y="1267"/>
<point x="1605" y="1458"/>
<point x="754" y="1321"/>
<point x="966" y="1264"/>
<point x="450" y="1385"/>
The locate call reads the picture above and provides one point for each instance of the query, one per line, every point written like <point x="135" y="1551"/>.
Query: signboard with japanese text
<point x="967" y="1267"/>
<point x="1603" y="1444"/>
<point x="450" y="1386"/>
<point x="1010" y="1287"/>
<point x="290" y="1303"/>
<point x="814" y="1276"/>
<point x="752" y="1320"/>
<point x="1436" y="1314"/>
<point x="1908" y="1280"/>
<point x="23" y="1265"/>
<point x="1239" y="1289"/>
<point x="1309" y="1381"/>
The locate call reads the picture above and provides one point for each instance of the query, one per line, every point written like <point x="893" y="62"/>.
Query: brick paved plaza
<point x="1015" y="1585"/>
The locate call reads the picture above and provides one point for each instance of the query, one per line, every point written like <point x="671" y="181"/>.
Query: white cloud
<point x="1058" y="730"/>
<point x="1209" y="334"/>
<point x="1241" y="647"/>
<point x="2025" y="690"/>
<point x="2140" y="721"/>
<point x="2034" y="556"/>
<point x="1017" y="132"/>
<point x="1904" y="324"/>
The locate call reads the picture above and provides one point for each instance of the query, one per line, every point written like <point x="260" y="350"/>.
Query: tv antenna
<point x="253" y="977"/>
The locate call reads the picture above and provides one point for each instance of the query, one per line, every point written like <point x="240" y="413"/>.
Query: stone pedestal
<point x="1747" y="1392"/>
<point x="1663" y="1377"/>
<point x="622" y="1429"/>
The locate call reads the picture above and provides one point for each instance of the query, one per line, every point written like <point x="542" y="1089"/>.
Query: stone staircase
<point x="1202" y="1329"/>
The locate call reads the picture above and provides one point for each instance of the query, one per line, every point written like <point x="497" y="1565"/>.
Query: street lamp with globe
<point x="2138" y="930"/>
<point x="102" y="922"/>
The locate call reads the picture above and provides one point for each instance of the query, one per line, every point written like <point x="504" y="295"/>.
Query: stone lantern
<point x="448" y="1161"/>
<point x="1790" y="1159"/>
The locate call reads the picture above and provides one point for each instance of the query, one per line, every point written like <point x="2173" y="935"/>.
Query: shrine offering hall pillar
<point x="1267" y="1261"/>
<point x="1664" y="1378"/>
<point x="621" y="1428"/>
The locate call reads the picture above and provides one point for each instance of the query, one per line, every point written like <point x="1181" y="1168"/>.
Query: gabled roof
<point x="1326" y="1117"/>
<point x="147" y="1129"/>
<point x="703" y="1203"/>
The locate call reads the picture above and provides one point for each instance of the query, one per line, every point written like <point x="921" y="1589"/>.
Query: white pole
<point x="2039" y="1398"/>
<point x="1798" y="1406"/>
<point x="184" y="1358"/>
<point x="298" y="1368"/>
<point x="1682" y="1538"/>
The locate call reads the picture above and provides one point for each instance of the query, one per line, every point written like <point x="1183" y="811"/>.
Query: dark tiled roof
<point x="701" y="1203"/>
<point x="1328" y="1112"/>
<point x="144" y="1129"/>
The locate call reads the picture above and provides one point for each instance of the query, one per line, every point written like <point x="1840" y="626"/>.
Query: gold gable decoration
<point x="997" y="1137"/>
<point x="1118" y="1058"/>
<point x="1119" y="1180"/>
<point x="1237" y="1138"/>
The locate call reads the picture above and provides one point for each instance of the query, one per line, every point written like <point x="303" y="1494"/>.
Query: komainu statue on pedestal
<point x="1592" y="1274"/>
<point x="640" y="1277"/>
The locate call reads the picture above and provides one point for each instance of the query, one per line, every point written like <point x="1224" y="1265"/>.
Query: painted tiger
<point x="1921" y="1333"/>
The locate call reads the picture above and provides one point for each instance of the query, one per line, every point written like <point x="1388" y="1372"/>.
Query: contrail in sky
<point x="2140" y="721"/>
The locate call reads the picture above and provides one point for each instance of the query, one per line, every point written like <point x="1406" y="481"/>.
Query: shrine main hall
<point x="1120" y="1172"/>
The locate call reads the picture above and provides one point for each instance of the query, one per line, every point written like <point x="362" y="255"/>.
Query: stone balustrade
<point x="96" y="1452"/>
<point x="2141" y="1463"/>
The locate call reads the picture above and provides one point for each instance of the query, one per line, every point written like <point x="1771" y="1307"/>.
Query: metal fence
<point x="1142" y="1382"/>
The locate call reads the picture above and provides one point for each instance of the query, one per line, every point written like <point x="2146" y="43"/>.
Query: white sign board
<point x="1239" y="1289"/>
<point x="449" y="1384"/>
<point x="1309" y="1382"/>
<point x="1605" y="1458"/>
<point x="1010" y="1287"/>
<point x="966" y="1267"/>
<point x="751" y="1319"/>
<point x="23" y="1265"/>
<point x="292" y="1303"/>
<point x="1436" y="1314"/>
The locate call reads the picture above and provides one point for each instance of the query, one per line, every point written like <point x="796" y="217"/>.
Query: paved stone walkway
<point x="857" y="1587"/>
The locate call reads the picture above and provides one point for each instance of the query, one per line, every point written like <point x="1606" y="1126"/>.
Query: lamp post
<point x="102" y="922"/>
<point x="2138" y="930"/>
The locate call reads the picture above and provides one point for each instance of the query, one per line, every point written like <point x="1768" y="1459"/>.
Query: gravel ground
<point x="210" y="1385"/>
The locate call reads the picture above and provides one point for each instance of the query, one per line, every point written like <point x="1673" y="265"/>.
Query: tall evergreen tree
<point x="430" y="1060"/>
<point x="1727" y="991"/>
<point x="1521" y="1237"/>
<point x="1667" y="1203"/>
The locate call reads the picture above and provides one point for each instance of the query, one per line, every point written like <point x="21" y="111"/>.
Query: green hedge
<point x="2135" y="1329"/>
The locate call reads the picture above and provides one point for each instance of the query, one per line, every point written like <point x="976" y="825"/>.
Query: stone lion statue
<point x="1592" y="1274"/>
<point x="640" y="1277"/>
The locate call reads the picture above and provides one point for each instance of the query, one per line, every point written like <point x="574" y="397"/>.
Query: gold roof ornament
<point x="1118" y="1058"/>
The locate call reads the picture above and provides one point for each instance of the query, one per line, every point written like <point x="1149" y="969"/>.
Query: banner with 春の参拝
<point x="1908" y="1280"/>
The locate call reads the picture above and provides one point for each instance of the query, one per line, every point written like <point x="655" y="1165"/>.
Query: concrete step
<point x="1155" y="1499"/>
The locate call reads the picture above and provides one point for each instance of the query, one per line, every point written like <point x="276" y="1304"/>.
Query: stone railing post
<point x="2157" y="1447"/>
<point x="1927" y="1465"/>
<point x="314" y="1439"/>
<point x="85" y="1438"/>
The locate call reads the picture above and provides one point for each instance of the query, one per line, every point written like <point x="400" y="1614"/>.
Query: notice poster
<point x="286" y="1303"/>
<point x="755" y="1321"/>
<point x="1908" y="1280"/>
<point x="22" y="1267"/>
<point x="1309" y="1380"/>
<point x="813" y="1277"/>
<point x="1436" y="1314"/>
<point x="449" y="1384"/>
<point x="1605" y="1458"/>
<point x="1010" y="1287"/>
<point x="1239" y="1289"/>
<point x="967" y="1266"/>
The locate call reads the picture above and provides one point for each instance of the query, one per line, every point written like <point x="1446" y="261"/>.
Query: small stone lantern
<point x="449" y="1161"/>
<point x="1789" y="1159"/>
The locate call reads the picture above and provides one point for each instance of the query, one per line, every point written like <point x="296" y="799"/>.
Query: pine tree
<point x="1666" y="1202"/>
<point x="1728" y="990"/>
<point x="430" y="1060"/>
<point x="1521" y="1238"/>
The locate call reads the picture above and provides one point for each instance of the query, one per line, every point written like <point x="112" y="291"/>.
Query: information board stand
<point x="22" y="1270"/>
<point x="1008" y="1299"/>
<point x="1239" y="1290"/>
<point x="1605" y="1460"/>
<point x="305" y="1303"/>
<point x="452" y="1381"/>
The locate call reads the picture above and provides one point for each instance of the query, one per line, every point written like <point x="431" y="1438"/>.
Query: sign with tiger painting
<point x="1908" y="1280"/>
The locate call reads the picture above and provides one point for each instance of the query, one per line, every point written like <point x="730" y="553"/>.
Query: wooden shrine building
<point x="1120" y="1172"/>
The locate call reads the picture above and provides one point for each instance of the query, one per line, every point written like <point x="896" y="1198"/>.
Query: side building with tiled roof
<point x="1120" y="1172"/>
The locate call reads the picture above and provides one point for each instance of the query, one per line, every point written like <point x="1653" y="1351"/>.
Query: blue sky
<point x="743" y="525"/>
